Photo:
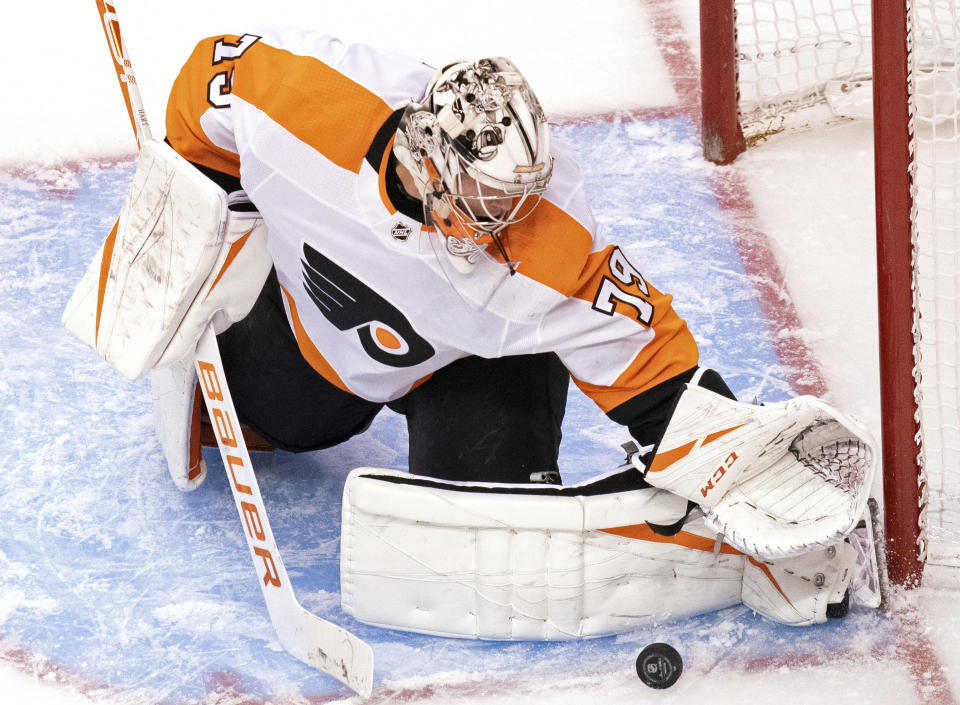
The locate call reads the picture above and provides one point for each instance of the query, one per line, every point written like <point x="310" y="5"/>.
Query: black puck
<point x="659" y="665"/>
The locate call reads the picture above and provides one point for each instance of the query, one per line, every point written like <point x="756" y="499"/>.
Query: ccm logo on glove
<point x="719" y="473"/>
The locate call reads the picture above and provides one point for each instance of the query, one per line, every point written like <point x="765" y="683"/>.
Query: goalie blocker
<point x="177" y="260"/>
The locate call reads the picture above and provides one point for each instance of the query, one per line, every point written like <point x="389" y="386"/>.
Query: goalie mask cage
<point x="771" y="65"/>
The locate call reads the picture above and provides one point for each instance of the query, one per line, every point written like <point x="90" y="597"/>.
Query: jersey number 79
<point x="615" y="289"/>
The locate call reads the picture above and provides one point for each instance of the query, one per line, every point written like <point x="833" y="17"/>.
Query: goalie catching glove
<point x="776" y="480"/>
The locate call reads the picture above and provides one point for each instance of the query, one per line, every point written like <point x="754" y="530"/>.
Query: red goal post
<point x="770" y="66"/>
<point x="903" y="488"/>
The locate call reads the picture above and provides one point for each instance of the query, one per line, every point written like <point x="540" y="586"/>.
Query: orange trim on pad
<point x="196" y="453"/>
<point x="231" y="255"/>
<point x="668" y="457"/>
<point x="719" y="434"/>
<point x="766" y="571"/>
<point x="108" y="245"/>
<point x="643" y="532"/>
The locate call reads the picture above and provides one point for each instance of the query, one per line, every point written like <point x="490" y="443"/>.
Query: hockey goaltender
<point x="384" y="233"/>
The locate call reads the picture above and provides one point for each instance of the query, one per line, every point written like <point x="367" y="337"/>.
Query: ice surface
<point x="116" y="588"/>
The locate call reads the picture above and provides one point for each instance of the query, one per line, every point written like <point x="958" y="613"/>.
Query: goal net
<point x="935" y="86"/>
<point x="776" y="65"/>
<point x="793" y="55"/>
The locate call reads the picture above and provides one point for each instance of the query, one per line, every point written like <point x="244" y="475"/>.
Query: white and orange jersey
<point x="307" y="123"/>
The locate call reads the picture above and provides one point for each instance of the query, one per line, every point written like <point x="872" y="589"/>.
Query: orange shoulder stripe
<point x="188" y="103"/>
<point x="554" y="249"/>
<point x="672" y="350"/>
<point x="313" y="101"/>
<point x="551" y="247"/>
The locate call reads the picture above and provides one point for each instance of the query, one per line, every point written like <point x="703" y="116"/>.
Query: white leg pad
<point x="226" y="297"/>
<point x="797" y="590"/>
<point x="489" y="562"/>
<point x="174" y="389"/>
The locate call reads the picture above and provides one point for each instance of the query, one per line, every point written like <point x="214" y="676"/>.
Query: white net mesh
<point x="935" y="62"/>
<point x="791" y="54"/>
<point x="789" y="50"/>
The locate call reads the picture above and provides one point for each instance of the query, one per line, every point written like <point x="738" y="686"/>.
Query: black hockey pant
<point x="476" y="419"/>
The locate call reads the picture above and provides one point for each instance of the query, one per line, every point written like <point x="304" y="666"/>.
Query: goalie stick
<point x="313" y="640"/>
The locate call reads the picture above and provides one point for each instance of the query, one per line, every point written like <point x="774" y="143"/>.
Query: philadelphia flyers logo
<point x="384" y="332"/>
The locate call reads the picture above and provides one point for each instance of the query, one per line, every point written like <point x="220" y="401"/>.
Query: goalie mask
<point x="478" y="147"/>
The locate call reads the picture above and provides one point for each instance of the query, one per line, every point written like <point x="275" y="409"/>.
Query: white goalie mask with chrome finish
<point x="478" y="147"/>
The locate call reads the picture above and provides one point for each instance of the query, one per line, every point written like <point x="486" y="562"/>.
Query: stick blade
<point x="331" y="649"/>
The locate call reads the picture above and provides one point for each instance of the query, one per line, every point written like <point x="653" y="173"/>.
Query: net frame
<point x="911" y="51"/>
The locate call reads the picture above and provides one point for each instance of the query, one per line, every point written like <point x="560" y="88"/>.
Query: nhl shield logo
<point x="400" y="232"/>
